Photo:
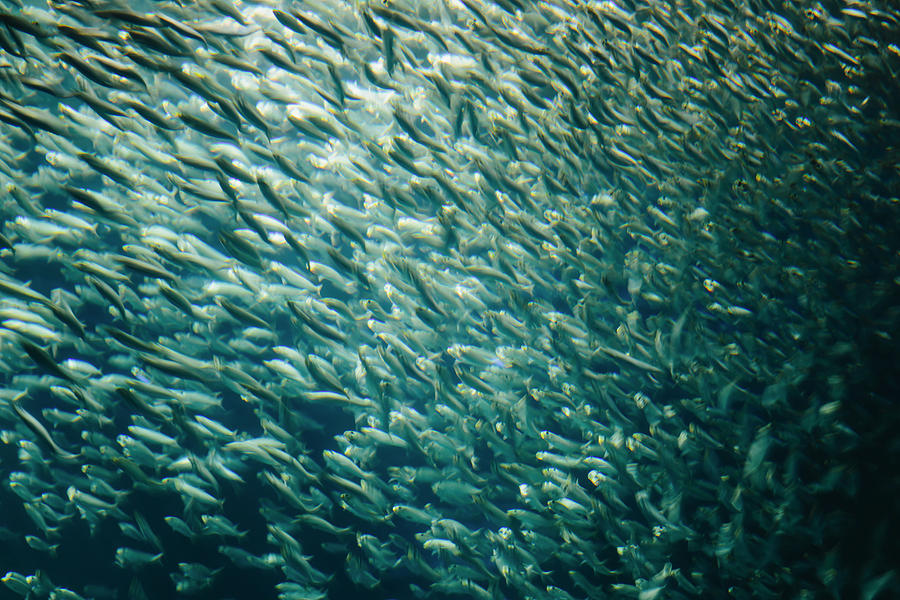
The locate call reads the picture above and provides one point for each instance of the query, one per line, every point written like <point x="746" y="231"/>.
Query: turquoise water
<point x="448" y="300"/>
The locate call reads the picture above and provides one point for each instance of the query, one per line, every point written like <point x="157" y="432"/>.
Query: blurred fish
<point x="529" y="298"/>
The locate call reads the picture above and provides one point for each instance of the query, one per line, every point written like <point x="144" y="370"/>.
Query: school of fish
<point x="518" y="299"/>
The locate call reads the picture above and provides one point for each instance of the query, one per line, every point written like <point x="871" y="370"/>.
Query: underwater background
<point x="449" y="299"/>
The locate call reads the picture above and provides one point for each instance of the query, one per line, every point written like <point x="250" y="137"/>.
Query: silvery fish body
<point x="449" y="299"/>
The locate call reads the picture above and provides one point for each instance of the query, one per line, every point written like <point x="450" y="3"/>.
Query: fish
<point x="483" y="298"/>
<point x="39" y="430"/>
<point x="129" y="558"/>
